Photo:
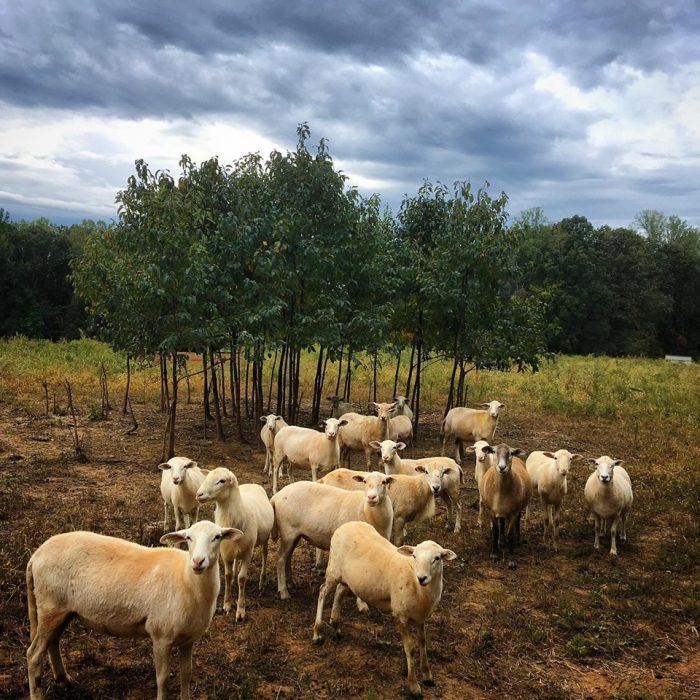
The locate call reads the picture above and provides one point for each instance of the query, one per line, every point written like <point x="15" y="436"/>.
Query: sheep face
<point x="270" y="421"/>
<point x="433" y="475"/>
<point x="203" y="540"/>
<point x="605" y="467"/>
<point x="503" y="456"/>
<point x="217" y="482"/>
<point x="383" y="410"/>
<point x="375" y="486"/>
<point x="478" y="449"/>
<point x="177" y="466"/>
<point x="331" y="427"/>
<point x="494" y="408"/>
<point x="562" y="460"/>
<point x="398" y="405"/>
<point x="388" y="449"/>
<point x="428" y="557"/>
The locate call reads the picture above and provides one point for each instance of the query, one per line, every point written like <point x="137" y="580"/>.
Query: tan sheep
<point x="405" y="581"/>
<point x="179" y="482"/>
<point x="363" y="430"/>
<point x="484" y="461"/>
<point x="273" y="424"/>
<point x="469" y="425"/>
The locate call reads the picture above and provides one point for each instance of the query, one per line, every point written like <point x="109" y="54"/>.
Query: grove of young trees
<point x="255" y="263"/>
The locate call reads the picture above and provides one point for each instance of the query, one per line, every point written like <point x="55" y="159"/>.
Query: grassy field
<point x="576" y="624"/>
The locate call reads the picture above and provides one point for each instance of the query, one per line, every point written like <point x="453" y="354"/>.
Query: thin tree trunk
<point x="223" y="384"/>
<point x="272" y="379"/>
<point x="374" y="380"/>
<point x="318" y="388"/>
<point x="205" y="366"/>
<point x="236" y="367"/>
<point x="410" y="369"/>
<point x="450" y="394"/>
<point x="281" y="373"/>
<point x="215" y="390"/>
<point x="416" y="399"/>
<point x="125" y="405"/>
<point x="396" y="373"/>
<point x="297" y="397"/>
<point x="340" y="371"/>
<point x="245" y="394"/>
<point x="348" y="377"/>
<point x="169" y="443"/>
<point x="187" y="379"/>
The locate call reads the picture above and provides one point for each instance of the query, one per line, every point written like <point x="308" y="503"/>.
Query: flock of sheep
<point x="359" y="517"/>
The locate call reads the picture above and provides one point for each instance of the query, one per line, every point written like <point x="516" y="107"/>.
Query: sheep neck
<point x="229" y="509"/>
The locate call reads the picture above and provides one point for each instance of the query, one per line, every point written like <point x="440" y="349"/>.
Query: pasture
<point x="572" y="624"/>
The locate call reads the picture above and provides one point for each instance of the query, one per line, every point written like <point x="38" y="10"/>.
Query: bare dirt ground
<point x="573" y="624"/>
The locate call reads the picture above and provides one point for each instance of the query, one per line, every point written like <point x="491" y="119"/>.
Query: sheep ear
<point x="389" y="480"/>
<point x="279" y="418"/>
<point x="618" y="463"/>
<point x="592" y="462"/>
<point x="420" y="468"/>
<point x="448" y="470"/>
<point x="372" y="404"/>
<point x="406" y="550"/>
<point x="400" y="445"/>
<point x="342" y="423"/>
<point x="359" y="477"/>
<point x="263" y="419"/>
<point x="376" y="444"/>
<point x="174" y="537"/>
<point x="231" y="533"/>
<point x="205" y="471"/>
<point x="488" y="450"/>
<point x="517" y="452"/>
<point x="448" y="555"/>
<point x="163" y="466"/>
<point x="470" y="450"/>
<point x="576" y="455"/>
<point x="487" y="405"/>
<point x="549" y="454"/>
<point x="190" y="464"/>
<point x="501" y="405"/>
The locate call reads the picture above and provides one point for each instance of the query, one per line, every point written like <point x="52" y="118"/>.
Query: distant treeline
<point x="615" y="292"/>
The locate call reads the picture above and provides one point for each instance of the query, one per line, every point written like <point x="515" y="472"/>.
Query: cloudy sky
<point x="587" y="107"/>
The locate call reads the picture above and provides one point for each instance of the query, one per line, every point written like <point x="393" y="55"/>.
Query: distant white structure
<point x="680" y="358"/>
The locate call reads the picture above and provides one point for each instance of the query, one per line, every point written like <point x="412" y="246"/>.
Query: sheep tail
<point x="274" y="533"/>
<point x="442" y="426"/>
<point x="31" y="603"/>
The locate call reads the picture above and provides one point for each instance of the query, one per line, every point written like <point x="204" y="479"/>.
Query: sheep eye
<point x="217" y="537"/>
<point x="189" y="539"/>
<point x="437" y="558"/>
<point x="220" y="481"/>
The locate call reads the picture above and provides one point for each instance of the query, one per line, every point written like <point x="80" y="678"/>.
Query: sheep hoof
<point x="240" y="616"/>
<point x="429" y="682"/>
<point x="493" y="556"/>
<point x="415" y="692"/>
<point x="318" y="639"/>
<point x="511" y="564"/>
<point x="65" y="680"/>
<point x="284" y="595"/>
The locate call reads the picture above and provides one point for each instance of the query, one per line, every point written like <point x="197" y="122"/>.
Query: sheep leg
<point x="613" y="535"/>
<point x="340" y="590"/>
<point x="196" y="514"/>
<point x="185" y="670"/>
<point x="51" y="624"/>
<point x="623" y="522"/>
<point x="397" y="534"/>
<point x="284" y="555"/>
<point x="424" y="665"/>
<point x="166" y="518"/>
<point x="511" y="533"/>
<point x="187" y="519"/>
<point x="56" y="658"/>
<point x="458" y="453"/>
<point x="555" y="525"/>
<point x="409" y="646"/>
<point x="494" y="538"/>
<point x="228" y="580"/>
<point x="545" y="522"/>
<point x="318" y="637"/>
<point x="458" y="514"/>
<point x="479" y="520"/>
<point x="268" y="461"/>
<point x="242" y="579"/>
<point x="178" y="523"/>
<point x="319" y="558"/>
<point x="596" y="529"/>
<point x="368" y="457"/>
<point x="275" y="467"/>
<point x="161" y="659"/>
<point x="263" y="568"/>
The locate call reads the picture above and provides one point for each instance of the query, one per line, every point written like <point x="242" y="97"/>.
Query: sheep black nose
<point x="422" y="580"/>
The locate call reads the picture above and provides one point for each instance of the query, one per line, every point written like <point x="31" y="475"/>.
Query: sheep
<point x="505" y="491"/>
<point x="313" y="511"/>
<point x="126" y="590"/>
<point x="548" y="472"/>
<point x="411" y="497"/>
<point x="469" y="424"/>
<point x="363" y="430"/>
<point x="179" y="482"/>
<point x="247" y="508"/>
<point x="444" y="475"/>
<point x="339" y="407"/>
<point x="401" y="408"/>
<point x="305" y="447"/>
<point x="401" y="429"/>
<point x="484" y="461"/>
<point x="406" y="581"/>
<point x="273" y="424"/>
<point x="608" y="493"/>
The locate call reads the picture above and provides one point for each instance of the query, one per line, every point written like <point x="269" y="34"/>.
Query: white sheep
<point x="339" y="407"/>
<point x="247" y="508"/>
<point x="483" y="462"/>
<point x="406" y="581"/>
<point x="401" y="429"/>
<point x="179" y="482"/>
<point x="363" y="430"/>
<point x="411" y="497"/>
<point x="273" y="424"/>
<point x="608" y="493"/>
<point x="312" y="511"/>
<point x="307" y="448"/>
<point x="443" y="473"/>
<point x="506" y="491"/>
<point x="401" y="408"/>
<point x="469" y="425"/>
<point x="548" y="472"/>
<point x="126" y="590"/>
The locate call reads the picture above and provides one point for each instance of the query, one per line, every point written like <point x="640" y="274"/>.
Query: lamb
<point x="361" y="431"/>
<point x="273" y="424"/>
<point x="406" y="581"/>
<point x="401" y="408"/>
<point x="506" y="491"/>
<point x="313" y="511"/>
<point x="339" y="407"/>
<point x="179" y="482"/>
<point x="305" y="447"/>
<point x="548" y="471"/>
<point x="126" y="590"/>
<point x="469" y="425"/>
<point x="484" y="461"/>
<point x="443" y="473"/>
<point x="247" y="508"/>
<point x="608" y="493"/>
<point x="411" y="497"/>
